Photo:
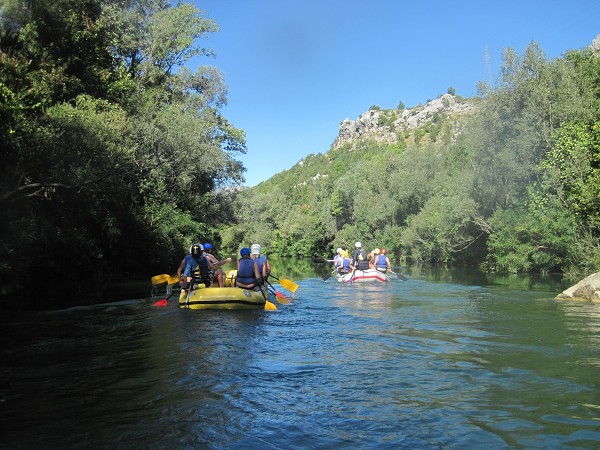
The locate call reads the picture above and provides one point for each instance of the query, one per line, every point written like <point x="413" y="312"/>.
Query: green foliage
<point x="112" y="150"/>
<point x="584" y="255"/>
<point x="569" y="182"/>
<point x="526" y="241"/>
<point x="418" y="135"/>
<point x="571" y="170"/>
<point x="514" y="186"/>
<point x="513" y="130"/>
<point x="441" y="228"/>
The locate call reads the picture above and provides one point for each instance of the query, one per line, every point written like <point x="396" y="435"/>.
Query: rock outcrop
<point x="596" y="44"/>
<point x="587" y="289"/>
<point x="384" y="125"/>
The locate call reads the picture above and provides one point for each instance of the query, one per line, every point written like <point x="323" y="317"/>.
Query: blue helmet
<point x="245" y="251"/>
<point x="207" y="246"/>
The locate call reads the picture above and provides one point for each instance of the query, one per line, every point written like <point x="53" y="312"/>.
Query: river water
<point x="426" y="363"/>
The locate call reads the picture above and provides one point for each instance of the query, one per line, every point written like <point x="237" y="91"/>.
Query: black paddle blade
<point x="326" y="277"/>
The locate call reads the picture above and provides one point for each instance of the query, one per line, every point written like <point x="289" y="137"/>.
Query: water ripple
<point x="413" y="364"/>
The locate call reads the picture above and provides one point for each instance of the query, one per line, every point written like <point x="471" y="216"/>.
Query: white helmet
<point x="255" y="249"/>
<point x="358" y="245"/>
<point x="339" y="250"/>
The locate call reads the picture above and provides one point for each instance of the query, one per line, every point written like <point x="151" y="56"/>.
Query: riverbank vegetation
<point x="116" y="156"/>
<point x="112" y="149"/>
<point x="511" y="188"/>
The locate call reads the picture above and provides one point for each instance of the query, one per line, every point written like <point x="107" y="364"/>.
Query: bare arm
<point x="180" y="269"/>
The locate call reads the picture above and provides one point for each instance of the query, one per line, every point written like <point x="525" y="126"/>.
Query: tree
<point x="528" y="240"/>
<point x="513" y="130"/>
<point x="113" y="150"/>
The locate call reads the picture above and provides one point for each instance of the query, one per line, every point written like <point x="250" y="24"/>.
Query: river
<point x="448" y="361"/>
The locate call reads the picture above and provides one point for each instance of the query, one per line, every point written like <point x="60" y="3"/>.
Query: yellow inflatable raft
<point x="222" y="298"/>
<point x="225" y="298"/>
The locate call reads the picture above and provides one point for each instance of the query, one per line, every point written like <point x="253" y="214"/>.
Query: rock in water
<point x="587" y="289"/>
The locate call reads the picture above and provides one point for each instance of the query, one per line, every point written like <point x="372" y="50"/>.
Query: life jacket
<point x="245" y="272"/>
<point x="344" y="267"/>
<point x="198" y="269"/>
<point x="381" y="262"/>
<point x="360" y="260"/>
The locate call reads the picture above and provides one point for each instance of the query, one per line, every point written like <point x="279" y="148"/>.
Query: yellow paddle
<point x="164" y="278"/>
<point x="159" y="279"/>
<point x="288" y="284"/>
<point x="268" y="305"/>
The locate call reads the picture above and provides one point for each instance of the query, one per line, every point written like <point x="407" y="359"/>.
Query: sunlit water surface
<point x="415" y="364"/>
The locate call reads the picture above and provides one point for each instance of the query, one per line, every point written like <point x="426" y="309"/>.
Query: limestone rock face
<point x="596" y="44"/>
<point x="384" y="125"/>
<point x="587" y="289"/>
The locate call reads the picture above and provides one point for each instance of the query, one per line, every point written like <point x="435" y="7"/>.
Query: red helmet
<point x="383" y="251"/>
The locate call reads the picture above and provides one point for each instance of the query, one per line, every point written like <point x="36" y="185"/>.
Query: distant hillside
<point x="508" y="182"/>
<point x="439" y="121"/>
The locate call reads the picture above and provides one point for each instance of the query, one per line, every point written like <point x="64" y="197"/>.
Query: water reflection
<point x="425" y="363"/>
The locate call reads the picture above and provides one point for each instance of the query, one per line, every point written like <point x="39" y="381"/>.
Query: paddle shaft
<point x="268" y="305"/>
<point x="171" y="295"/>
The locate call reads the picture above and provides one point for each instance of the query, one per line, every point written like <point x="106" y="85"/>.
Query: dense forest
<point x="513" y="187"/>
<point x="113" y="151"/>
<point x="116" y="156"/>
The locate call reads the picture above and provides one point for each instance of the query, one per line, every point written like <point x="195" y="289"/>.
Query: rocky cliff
<point x="387" y="125"/>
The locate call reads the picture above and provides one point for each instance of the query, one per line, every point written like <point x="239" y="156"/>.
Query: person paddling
<point x="196" y="269"/>
<point x="217" y="275"/>
<point x="372" y="257"/>
<point x="338" y="256"/>
<point x="382" y="262"/>
<point x="264" y="267"/>
<point x="359" y="259"/>
<point x="343" y="263"/>
<point x="247" y="274"/>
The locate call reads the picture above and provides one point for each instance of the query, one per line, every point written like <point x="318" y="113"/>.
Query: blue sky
<point x="296" y="68"/>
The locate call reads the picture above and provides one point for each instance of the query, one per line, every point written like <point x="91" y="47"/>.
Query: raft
<point x="227" y="297"/>
<point x="364" y="276"/>
<point x="222" y="298"/>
